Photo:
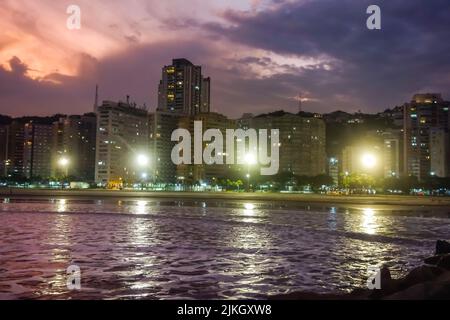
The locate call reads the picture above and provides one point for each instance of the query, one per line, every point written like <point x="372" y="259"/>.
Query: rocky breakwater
<point x="430" y="281"/>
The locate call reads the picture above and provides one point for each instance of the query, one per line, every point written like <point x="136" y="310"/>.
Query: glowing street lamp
<point x="63" y="162"/>
<point x="250" y="159"/>
<point x="368" y="160"/>
<point x="142" y="160"/>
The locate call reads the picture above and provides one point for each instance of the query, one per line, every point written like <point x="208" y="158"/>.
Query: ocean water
<point x="161" y="249"/>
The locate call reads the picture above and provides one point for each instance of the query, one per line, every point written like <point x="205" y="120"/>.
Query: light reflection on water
<point x="62" y="205"/>
<point x="141" y="207"/>
<point x="148" y="248"/>
<point x="369" y="222"/>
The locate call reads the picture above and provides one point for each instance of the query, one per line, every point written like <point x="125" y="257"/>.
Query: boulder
<point x="442" y="247"/>
<point x="444" y="262"/>
<point x="432" y="260"/>
<point x="388" y="285"/>
<point x="429" y="290"/>
<point x="420" y="274"/>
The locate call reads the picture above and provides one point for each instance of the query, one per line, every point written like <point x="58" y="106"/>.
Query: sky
<point x="260" y="54"/>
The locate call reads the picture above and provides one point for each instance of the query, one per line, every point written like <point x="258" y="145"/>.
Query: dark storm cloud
<point x="56" y="93"/>
<point x="374" y="68"/>
<point x="353" y="67"/>
<point x="133" y="72"/>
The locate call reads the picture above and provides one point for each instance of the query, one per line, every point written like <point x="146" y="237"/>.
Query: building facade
<point x="206" y="173"/>
<point x="425" y="114"/>
<point x="302" y="141"/>
<point x="4" y="133"/>
<point x="74" y="138"/>
<point x="37" y="150"/>
<point x="439" y="152"/>
<point x="16" y="142"/>
<point x="183" y="89"/>
<point x="161" y="125"/>
<point x="391" y="154"/>
<point x="122" y="135"/>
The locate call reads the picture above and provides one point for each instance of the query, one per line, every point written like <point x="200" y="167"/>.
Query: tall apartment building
<point x="333" y="170"/>
<point x="183" y="89"/>
<point x="302" y="141"/>
<point x="16" y="142"/>
<point x="426" y="112"/>
<point x="391" y="153"/>
<point x="204" y="172"/>
<point x="4" y="132"/>
<point x="74" y="137"/>
<point x="37" y="150"/>
<point x="161" y="125"/>
<point x="122" y="135"/>
<point x="439" y="152"/>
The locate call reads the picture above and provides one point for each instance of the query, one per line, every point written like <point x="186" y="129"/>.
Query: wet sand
<point x="397" y="200"/>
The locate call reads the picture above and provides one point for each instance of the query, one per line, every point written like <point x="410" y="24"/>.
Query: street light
<point x="142" y="161"/>
<point x="250" y="159"/>
<point x="63" y="162"/>
<point x="368" y="160"/>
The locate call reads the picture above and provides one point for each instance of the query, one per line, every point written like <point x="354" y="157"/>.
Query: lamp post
<point x="369" y="162"/>
<point x="142" y="161"/>
<point x="63" y="162"/>
<point x="249" y="159"/>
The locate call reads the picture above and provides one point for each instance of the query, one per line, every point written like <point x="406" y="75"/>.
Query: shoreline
<point x="397" y="200"/>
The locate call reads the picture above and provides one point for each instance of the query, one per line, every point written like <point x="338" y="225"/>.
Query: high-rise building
<point x="392" y="147"/>
<point x="426" y="112"/>
<point x="206" y="95"/>
<point x="4" y="132"/>
<point x="439" y="152"/>
<point x="122" y="136"/>
<point x="302" y="141"/>
<point x="183" y="89"/>
<point x="37" y="150"/>
<point x="74" y="137"/>
<point x="206" y="173"/>
<point x="333" y="170"/>
<point x="161" y="125"/>
<point x="16" y="144"/>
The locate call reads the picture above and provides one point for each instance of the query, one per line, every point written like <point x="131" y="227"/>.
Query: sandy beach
<point x="400" y="200"/>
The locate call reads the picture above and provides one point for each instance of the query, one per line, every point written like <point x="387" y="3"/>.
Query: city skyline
<point x="251" y="69"/>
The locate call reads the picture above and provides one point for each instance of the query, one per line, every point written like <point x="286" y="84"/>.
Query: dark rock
<point x="423" y="291"/>
<point x="442" y="247"/>
<point x="444" y="262"/>
<point x="420" y="274"/>
<point x="388" y="285"/>
<point x="432" y="260"/>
